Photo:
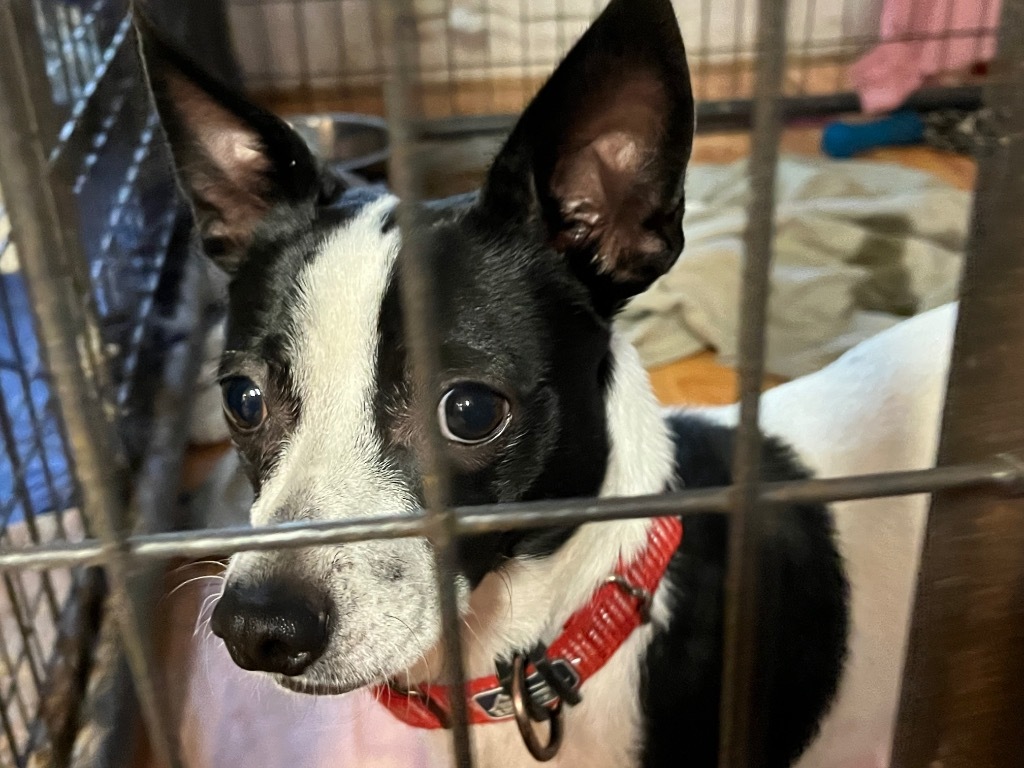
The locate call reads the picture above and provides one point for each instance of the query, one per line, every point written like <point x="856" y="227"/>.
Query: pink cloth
<point x="897" y="67"/>
<point x="233" y="718"/>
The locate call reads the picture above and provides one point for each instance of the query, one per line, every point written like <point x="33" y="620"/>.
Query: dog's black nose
<point x="271" y="627"/>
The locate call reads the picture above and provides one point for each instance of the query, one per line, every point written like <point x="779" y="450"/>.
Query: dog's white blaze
<point x="330" y="467"/>
<point x="331" y="457"/>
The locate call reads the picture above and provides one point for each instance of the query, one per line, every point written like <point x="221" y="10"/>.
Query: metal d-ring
<point x="541" y="752"/>
<point x="641" y="595"/>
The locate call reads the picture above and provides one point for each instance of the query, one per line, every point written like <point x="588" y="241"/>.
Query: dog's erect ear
<point x="237" y="163"/>
<point x="599" y="156"/>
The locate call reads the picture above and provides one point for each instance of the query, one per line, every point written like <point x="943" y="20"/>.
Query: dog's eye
<point x="472" y="413"/>
<point x="243" y="403"/>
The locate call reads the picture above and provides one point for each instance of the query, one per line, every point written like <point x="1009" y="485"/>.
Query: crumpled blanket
<point x="859" y="246"/>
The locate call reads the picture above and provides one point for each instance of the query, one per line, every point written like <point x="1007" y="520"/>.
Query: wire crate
<point x="95" y="258"/>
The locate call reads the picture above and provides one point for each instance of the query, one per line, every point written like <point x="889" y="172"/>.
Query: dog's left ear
<point x="599" y="156"/>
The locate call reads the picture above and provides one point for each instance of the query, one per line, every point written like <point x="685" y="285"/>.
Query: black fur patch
<point x="805" y="599"/>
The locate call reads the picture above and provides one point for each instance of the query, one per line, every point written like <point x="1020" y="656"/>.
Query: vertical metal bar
<point x="962" y="695"/>
<point x="449" y="53"/>
<point x="302" y="50"/>
<point x="983" y="32"/>
<point x="704" y="54"/>
<point x="810" y="18"/>
<point x="524" y="50"/>
<point x="739" y="745"/>
<point x="63" y="321"/>
<point x="946" y="34"/>
<point x="399" y="24"/>
<point x="739" y="27"/>
<point x="28" y="18"/>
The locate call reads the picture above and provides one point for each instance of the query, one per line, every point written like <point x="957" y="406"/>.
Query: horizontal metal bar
<point x="735" y="114"/>
<point x="727" y="114"/>
<point x="1005" y="472"/>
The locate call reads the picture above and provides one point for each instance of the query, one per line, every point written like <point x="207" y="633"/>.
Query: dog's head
<point x="581" y="210"/>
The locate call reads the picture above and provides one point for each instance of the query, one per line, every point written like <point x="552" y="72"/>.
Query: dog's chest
<point x="603" y="731"/>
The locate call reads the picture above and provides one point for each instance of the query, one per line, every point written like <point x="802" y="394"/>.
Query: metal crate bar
<point x="1003" y="474"/>
<point x="398" y="23"/>
<point x="745" y="641"/>
<point x="962" y="695"/>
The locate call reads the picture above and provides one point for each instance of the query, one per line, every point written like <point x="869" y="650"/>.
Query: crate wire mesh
<point x="481" y="57"/>
<point x="38" y="506"/>
<point x="978" y="465"/>
<point x="91" y="319"/>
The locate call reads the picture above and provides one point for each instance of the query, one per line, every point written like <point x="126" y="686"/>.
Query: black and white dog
<point x="617" y="626"/>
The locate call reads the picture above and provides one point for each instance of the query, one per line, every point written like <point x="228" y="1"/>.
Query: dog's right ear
<point x="237" y="164"/>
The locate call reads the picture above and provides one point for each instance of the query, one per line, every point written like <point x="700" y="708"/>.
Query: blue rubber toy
<point x="849" y="139"/>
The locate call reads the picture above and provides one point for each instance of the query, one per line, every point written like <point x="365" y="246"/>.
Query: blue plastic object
<point x="849" y="139"/>
<point x="34" y="468"/>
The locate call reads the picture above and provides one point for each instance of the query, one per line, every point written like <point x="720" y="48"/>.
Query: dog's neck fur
<point x="529" y="601"/>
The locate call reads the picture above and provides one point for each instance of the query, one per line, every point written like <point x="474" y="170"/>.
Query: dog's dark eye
<point x="243" y="402"/>
<point x="472" y="413"/>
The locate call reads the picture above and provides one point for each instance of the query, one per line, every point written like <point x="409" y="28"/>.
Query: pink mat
<point x="897" y="67"/>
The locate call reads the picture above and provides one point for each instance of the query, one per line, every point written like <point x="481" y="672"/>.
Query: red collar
<point x="587" y="641"/>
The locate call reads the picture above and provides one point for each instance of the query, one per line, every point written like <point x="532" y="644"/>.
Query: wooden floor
<point x="697" y="380"/>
